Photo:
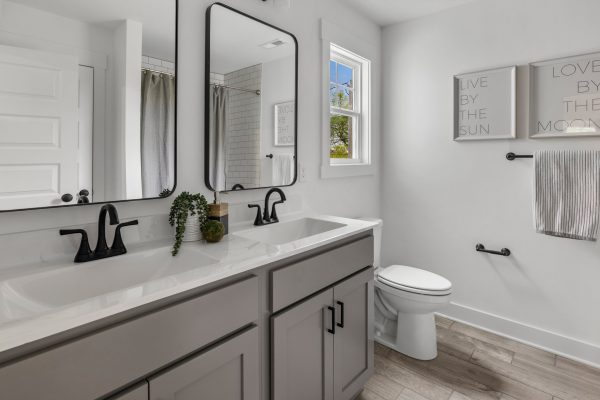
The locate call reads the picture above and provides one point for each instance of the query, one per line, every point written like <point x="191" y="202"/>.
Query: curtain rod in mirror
<point x="157" y="72"/>
<point x="257" y="92"/>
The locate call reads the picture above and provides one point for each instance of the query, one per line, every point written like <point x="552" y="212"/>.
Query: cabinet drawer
<point x="297" y="281"/>
<point x="139" y="392"/>
<point x="228" y="371"/>
<point x="97" y="364"/>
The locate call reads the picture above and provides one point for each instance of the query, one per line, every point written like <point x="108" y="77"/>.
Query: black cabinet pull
<point x="341" y="324"/>
<point x="332" y="330"/>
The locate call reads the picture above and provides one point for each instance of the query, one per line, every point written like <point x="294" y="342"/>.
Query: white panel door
<point x="86" y="129"/>
<point x="38" y="128"/>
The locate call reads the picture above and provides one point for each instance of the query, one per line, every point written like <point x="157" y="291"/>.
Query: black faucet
<point x="102" y="250"/>
<point x="264" y="217"/>
<point x="101" y="246"/>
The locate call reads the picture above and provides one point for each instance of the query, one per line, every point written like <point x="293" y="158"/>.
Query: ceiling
<point x="235" y="42"/>
<point x="387" y="12"/>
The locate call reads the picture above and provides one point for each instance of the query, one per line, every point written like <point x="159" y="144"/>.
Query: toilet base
<point x="415" y="336"/>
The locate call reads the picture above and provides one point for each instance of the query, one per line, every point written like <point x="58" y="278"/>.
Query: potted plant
<point x="184" y="207"/>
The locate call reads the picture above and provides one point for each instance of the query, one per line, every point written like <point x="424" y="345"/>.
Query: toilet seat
<point x="414" y="280"/>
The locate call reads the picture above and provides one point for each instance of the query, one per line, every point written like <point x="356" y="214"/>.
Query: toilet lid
<point x="414" y="278"/>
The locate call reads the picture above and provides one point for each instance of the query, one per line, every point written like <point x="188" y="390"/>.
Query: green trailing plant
<point x="213" y="231"/>
<point x="185" y="205"/>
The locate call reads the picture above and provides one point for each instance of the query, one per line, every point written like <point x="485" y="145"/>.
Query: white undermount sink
<point x="72" y="283"/>
<point x="287" y="232"/>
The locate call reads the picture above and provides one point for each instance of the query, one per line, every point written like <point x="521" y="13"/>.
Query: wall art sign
<point x="285" y="124"/>
<point x="565" y="97"/>
<point x="485" y="105"/>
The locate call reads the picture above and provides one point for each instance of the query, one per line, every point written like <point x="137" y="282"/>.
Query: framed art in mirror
<point x="285" y="119"/>
<point x="88" y="101"/>
<point x="251" y="115"/>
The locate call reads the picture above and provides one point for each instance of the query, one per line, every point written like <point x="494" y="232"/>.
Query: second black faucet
<point x="266" y="218"/>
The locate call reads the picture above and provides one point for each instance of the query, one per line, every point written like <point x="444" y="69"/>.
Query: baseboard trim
<point x="564" y="346"/>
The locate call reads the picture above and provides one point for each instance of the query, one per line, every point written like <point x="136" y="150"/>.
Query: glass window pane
<point x="334" y="97"/>
<point x="341" y="97"/>
<point x="332" y="71"/>
<point x="345" y="75"/>
<point x="349" y="93"/>
<point x="341" y="136"/>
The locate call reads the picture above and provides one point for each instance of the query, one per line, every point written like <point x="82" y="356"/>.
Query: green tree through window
<point x="341" y="97"/>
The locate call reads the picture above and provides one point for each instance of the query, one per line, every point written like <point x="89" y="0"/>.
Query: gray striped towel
<point x="567" y="193"/>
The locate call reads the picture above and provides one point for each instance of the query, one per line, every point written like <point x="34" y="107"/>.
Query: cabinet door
<point x="138" y="393"/>
<point x="302" y="351"/>
<point x="353" y="340"/>
<point x="228" y="371"/>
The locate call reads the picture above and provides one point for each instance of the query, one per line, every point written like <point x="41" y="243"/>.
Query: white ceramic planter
<point x="192" y="229"/>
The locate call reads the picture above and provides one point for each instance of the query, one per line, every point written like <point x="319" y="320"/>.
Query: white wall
<point x="277" y="87"/>
<point x="155" y="64"/>
<point x="345" y="197"/>
<point x="243" y="127"/>
<point x="441" y="197"/>
<point x="28" y="26"/>
<point x="126" y="66"/>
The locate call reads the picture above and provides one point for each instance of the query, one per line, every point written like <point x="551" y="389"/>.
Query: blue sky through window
<point x="341" y="85"/>
<point x="332" y="71"/>
<point x="344" y="75"/>
<point x="340" y="74"/>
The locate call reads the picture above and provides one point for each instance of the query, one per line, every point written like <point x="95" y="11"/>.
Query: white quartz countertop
<point x="45" y="299"/>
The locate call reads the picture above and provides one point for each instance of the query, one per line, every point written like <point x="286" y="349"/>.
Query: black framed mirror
<point x="88" y="101"/>
<point x="251" y="102"/>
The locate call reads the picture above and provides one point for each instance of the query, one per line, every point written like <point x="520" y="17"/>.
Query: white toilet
<point x="405" y="300"/>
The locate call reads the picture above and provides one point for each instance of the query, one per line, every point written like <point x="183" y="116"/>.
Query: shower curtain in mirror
<point x="217" y="129"/>
<point x="158" y="133"/>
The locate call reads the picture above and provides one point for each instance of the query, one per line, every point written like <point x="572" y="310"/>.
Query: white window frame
<point x="341" y="46"/>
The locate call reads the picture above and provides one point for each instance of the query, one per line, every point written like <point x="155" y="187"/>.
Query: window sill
<point x="333" y="171"/>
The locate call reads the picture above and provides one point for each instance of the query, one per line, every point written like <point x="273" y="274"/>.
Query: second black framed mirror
<point x="251" y="102"/>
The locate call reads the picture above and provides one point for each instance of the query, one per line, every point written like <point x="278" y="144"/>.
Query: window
<point x="349" y="140"/>
<point x="347" y="143"/>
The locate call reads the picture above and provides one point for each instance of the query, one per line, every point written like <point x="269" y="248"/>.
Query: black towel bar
<point x="513" y="156"/>
<point x="503" y="252"/>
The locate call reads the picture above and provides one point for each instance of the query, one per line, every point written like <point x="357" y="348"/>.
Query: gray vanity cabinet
<point x="227" y="371"/>
<point x="314" y="357"/>
<point x="140" y="392"/>
<point x="353" y="339"/>
<point x="213" y="344"/>
<point x="302" y="351"/>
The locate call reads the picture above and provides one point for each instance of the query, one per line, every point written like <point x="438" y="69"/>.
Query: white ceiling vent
<point x="273" y="44"/>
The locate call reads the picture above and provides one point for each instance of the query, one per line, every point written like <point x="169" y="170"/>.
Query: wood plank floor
<point x="476" y="365"/>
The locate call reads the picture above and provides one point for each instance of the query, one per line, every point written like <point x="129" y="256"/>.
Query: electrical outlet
<point x="301" y="173"/>
<point x="282" y="3"/>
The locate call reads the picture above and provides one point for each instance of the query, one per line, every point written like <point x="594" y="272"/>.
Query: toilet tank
<point x="377" y="231"/>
